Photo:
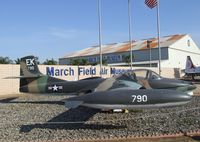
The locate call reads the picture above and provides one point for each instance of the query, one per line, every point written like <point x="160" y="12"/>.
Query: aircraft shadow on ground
<point x="7" y="100"/>
<point x="72" y="119"/>
<point x="196" y="138"/>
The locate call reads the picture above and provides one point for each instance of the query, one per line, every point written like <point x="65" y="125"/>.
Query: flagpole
<point x="100" y="35"/>
<point x="158" y="30"/>
<point x="130" y="36"/>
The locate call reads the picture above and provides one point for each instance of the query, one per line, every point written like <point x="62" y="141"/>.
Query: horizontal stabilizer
<point x="19" y="77"/>
<point x="73" y="104"/>
<point x="12" y="77"/>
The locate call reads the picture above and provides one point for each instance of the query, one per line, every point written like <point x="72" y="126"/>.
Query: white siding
<point x="182" y="44"/>
<point x="179" y="51"/>
<point x="177" y="58"/>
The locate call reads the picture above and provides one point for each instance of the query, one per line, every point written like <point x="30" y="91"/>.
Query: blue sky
<point x="53" y="28"/>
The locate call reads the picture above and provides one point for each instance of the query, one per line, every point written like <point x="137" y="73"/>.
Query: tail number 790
<point x="139" y="98"/>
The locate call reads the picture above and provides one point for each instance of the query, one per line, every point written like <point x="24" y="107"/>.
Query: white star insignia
<point x="55" y="88"/>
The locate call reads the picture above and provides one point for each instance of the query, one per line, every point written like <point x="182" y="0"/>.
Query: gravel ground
<point x="197" y="90"/>
<point x="34" y="118"/>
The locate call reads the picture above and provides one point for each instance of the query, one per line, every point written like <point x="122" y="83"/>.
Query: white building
<point x="174" y="50"/>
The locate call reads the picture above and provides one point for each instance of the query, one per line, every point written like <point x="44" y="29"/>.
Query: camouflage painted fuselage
<point x="48" y="84"/>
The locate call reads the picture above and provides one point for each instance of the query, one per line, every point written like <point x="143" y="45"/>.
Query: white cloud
<point x="63" y="33"/>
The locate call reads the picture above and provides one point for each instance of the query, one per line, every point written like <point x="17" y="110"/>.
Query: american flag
<point x="151" y="3"/>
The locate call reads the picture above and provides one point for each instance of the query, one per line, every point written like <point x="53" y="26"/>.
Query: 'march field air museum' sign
<point x="83" y="71"/>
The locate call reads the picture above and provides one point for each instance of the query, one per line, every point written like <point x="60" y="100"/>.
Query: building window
<point x="188" y="43"/>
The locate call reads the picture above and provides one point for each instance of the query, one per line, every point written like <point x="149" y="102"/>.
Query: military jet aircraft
<point x="127" y="90"/>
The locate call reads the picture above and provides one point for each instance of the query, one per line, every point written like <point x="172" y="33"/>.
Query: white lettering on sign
<point x="139" y="98"/>
<point x="30" y="62"/>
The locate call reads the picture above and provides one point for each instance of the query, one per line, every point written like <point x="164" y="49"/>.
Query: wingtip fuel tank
<point x="127" y="98"/>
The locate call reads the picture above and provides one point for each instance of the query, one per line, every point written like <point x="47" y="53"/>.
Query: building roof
<point x="165" y="41"/>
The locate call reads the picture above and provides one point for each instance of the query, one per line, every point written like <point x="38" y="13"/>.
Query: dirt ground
<point x="171" y="139"/>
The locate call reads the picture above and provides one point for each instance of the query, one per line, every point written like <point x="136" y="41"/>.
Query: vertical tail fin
<point x="189" y="63"/>
<point x="28" y="71"/>
<point x="29" y="67"/>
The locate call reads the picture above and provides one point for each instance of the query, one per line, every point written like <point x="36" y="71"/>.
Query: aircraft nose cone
<point x="192" y="87"/>
<point x="184" y="97"/>
<point x="179" y="98"/>
<point x="176" y="96"/>
<point x="187" y="97"/>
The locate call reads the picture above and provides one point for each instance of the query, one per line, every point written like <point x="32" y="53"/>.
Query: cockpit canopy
<point x="138" y="79"/>
<point x="143" y="74"/>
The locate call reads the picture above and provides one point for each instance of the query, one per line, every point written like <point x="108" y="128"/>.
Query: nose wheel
<point x="126" y="111"/>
